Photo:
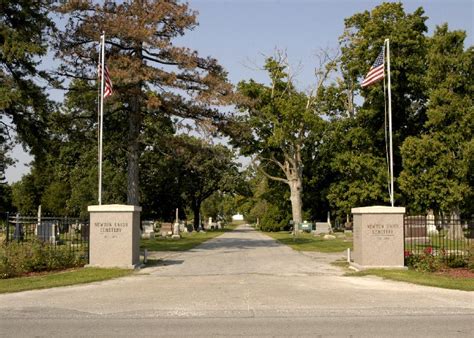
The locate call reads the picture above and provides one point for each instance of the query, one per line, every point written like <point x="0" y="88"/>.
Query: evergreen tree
<point x="151" y="76"/>
<point x="23" y="103"/>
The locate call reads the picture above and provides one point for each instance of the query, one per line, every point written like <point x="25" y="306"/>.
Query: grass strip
<point x="63" y="278"/>
<point x="421" y="278"/>
<point x="412" y="276"/>
<point x="187" y="241"/>
<point x="308" y="242"/>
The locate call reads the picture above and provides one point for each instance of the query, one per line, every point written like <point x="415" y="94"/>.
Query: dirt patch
<point x="457" y="273"/>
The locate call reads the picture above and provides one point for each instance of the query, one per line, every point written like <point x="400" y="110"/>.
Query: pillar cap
<point x="378" y="209"/>
<point x="113" y="208"/>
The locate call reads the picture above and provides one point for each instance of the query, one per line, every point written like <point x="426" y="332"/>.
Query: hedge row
<point x="19" y="259"/>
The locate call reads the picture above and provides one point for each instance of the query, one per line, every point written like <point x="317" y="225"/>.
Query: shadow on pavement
<point x="162" y="262"/>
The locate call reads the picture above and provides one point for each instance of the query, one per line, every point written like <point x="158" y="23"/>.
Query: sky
<point x="241" y="33"/>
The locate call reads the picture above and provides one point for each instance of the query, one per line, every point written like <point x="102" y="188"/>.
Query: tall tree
<point x="64" y="178"/>
<point x="23" y="103"/>
<point x="151" y="75"/>
<point x="204" y="169"/>
<point x="359" y="161"/>
<point x="438" y="165"/>
<point x="277" y="121"/>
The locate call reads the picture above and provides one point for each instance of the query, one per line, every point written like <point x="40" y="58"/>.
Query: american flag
<point x="108" y="89"/>
<point x="376" y="72"/>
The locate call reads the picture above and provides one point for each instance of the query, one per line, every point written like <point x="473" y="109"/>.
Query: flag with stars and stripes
<point x="108" y="88"/>
<point x="376" y="72"/>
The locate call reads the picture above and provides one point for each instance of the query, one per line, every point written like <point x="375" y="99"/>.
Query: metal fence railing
<point x="445" y="238"/>
<point x="57" y="232"/>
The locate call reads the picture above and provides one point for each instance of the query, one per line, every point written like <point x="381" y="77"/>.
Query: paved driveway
<point x="240" y="276"/>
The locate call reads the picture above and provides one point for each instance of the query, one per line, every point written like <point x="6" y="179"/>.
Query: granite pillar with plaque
<point x="114" y="236"/>
<point x="378" y="237"/>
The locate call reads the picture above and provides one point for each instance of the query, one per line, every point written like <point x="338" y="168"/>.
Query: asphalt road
<point x="241" y="284"/>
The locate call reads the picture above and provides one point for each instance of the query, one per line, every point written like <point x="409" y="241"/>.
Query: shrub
<point x="456" y="262"/>
<point x="425" y="262"/>
<point x="17" y="259"/>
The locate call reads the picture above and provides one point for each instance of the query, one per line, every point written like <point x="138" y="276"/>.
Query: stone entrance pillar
<point x="114" y="236"/>
<point x="378" y="237"/>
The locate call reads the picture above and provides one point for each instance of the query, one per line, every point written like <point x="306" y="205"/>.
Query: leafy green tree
<point x="5" y="145"/>
<point x="160" y="174"/>
<point x="216" y="206"/>
<point x="151" y="75"/>
<point x="55" y="197"/>
<point x="234" y="196"/>
<point x="23" y="36"/>
<point x="276" y="122"/>
<point x="5" y="198"/>
<point x="24" y="195"/>
<point x="24" y="106"/>
<point x="204" y="169"/>
<point x="267" y="207"/>
<point x="64" y="178"/>
<point x="437" y="165"/>
<point x="359" y="163"/>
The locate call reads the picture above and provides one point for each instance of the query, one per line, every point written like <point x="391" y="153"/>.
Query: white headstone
<point x="430" y="224"/>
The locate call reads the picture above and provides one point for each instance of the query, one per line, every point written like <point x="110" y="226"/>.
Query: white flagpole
<point x="101" y="123"/>
<point x="98" y="115"/>
<point x="390" y="122"/>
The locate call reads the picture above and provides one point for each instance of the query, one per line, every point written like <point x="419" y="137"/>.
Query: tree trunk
<point x="133" y="152"/>
<point x="296" y="188"/>
<point x="197" y="214"/>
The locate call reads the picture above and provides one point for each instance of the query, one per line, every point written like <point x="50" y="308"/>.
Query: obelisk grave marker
<point x="114" y="236"/>
<point x="378" y="237"/>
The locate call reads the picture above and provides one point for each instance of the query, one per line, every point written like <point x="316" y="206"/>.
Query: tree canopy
<point x="151" y="75"/>
<point x="326" y="144"/>
<point x="24" y="105"/>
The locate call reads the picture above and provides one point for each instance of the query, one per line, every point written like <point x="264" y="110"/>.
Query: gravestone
<point x="431" y="224"/>
<point x="18" y="233"/>
<point x="84" y="231"/>
<point x="306" y="226"/>
<point x="114" y="236"/>
<point x="176" y="229"/>
<point x="189" y="227"/>
<point x="166" y="229"/>
<point x="322" y="228"/>
<point x="148" y="229"/>
<point x="46" y="232"/>
<point x="455" y="231"/>
<point x="378" y="237"/>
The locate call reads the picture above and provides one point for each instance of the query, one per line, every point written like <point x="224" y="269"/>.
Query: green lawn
<point x="69" y="277"/>
<point x="308" y="242"/>
<point x="186" y="242"/>
<point x="422" y="278"/>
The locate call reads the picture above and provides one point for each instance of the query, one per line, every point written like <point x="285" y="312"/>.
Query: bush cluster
<point x="18" y="259"/>
<point x="428" y="262"/>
